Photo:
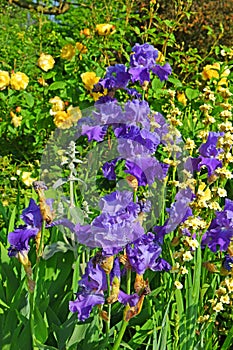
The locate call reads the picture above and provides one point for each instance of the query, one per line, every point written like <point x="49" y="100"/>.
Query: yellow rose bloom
<point x="57" y="105"/>
<point x="46" y="62"/>
<point x="89" y="79"/>
<point x="19" y="81"/>
<point x="64" y="120"/>
<point x="4" y="79"/>
<point x="105" y="29"/>
<point x="68" y="52"/>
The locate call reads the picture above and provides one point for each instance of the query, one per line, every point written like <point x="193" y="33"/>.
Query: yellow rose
<point x="68" y="52"/>
<point x="19" y="81"/>
<point x="46" y="62"/>
<point x="64" y="120"/>
<point x="4" y="79"/>
<point x="89" y="79"/>
<point x="81" y="48"/>
<point x="105" y="29"/>
<point x="57" y="105"/>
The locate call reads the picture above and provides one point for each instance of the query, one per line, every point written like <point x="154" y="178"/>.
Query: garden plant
<point x="116" y="210"/>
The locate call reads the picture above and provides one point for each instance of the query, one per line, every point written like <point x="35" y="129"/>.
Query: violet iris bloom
<point x="208" y="153"/>
<point x="178" y="213"/>
<point x="116" y="77"/>
<point x="20" y="237"/>
<point x="143" y="60"/>
<point x="220" y="232"/>
<point x="115" y="226"/>
<point x="144" y="254"/>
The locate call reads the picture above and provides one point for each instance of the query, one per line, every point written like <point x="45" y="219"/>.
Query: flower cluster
<point x="64" y="119"/>
<point x="17" y="80"/>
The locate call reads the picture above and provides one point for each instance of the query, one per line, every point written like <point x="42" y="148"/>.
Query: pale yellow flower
<point x="65" y="119"/>
<point x="68" y="52"/>
<point x="46" y="62"/>
<point x="160" y="58"/>
<point x="57" y="105"/>
<point x="89" y="79"/>
<point x="218" y="307"/>
<point x="27" y="179"/>
<point x="19" y="81"/>
<point x="105" y="29"/>
<point x="4" y="79"/>
<point x="15" y="120"/>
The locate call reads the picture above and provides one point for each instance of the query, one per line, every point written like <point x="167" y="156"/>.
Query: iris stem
<point x="109" y="305"/>
<point x="124" y="323"/>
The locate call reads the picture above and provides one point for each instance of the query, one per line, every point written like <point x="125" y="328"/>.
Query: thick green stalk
<point x="109" y="305"/>
<point x="124" y="323"/>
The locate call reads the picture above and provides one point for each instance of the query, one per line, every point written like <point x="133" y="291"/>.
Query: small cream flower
<point x="178" y="285"/>
<point x="4" y="79"/>
<point x="187" y="256"/>
<point x="46" y="62"/>
<point x="222" y="192"/>
<point x="218" y="307"/>
<point x="19" y="81"/>
<point x="225" y="299"/>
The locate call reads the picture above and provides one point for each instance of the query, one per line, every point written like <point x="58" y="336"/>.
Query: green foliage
<point x="170" y="317"/>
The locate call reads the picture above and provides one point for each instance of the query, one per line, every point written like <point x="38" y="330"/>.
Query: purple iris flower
<point x="115" y="226"/>
<point x="109" y="169"/>
<point x="125" y="299"/>
<point x="143" y="141"/>
<point x="143" y="55"/>
<point x="220" y="232"/>
<point x="84" y="303"/>
<point x="20" y="237"/>
<point x="162" y="71"/>
<point x="96" y="132"/>
<point x="146" y="169"/>
<point x="144" y="254"/>
<point x="208" y="153"/>
<point x="178" y="213"/>
<point x="228" y="262"/>
<point x="143" y="60"/>
<point x="116" y="77"/>
<point x="209" y="148"/>
<point x="137" y="111"/>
